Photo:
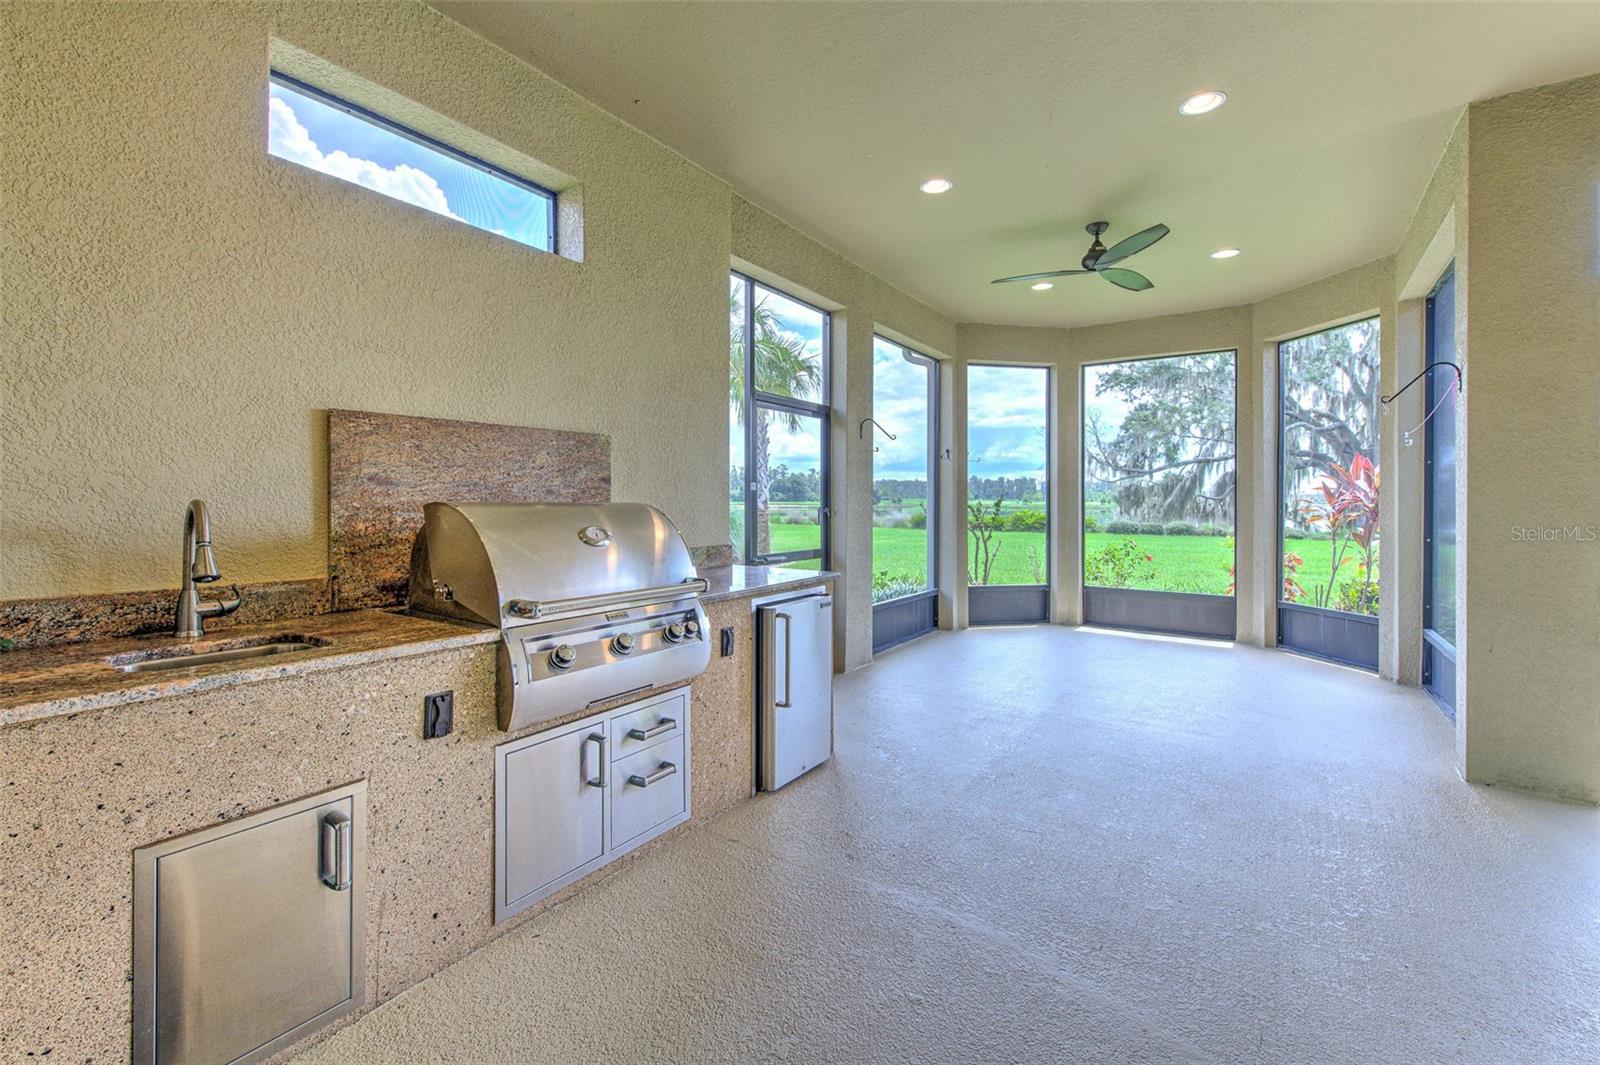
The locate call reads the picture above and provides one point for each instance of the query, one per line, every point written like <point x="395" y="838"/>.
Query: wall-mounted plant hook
<point x="1457" y="388"/>
<point x="1386" y="400"/>
<point x="861" y="430"/>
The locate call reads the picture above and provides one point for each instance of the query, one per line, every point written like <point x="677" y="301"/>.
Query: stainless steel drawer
<point x="643" y="724"/>
<point x="648" y="788"/>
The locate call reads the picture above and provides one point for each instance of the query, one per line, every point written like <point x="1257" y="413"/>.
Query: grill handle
<point x="536" y="608"/>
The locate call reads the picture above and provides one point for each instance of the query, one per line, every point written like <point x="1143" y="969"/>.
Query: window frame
<point x="931" y="366"/>
<point x="1083" y="458"/>
<point x="1277" y="351"/>
<point x="1439" y="656"/>
<point x="389" y="125"/>
<point x="1050" y="370"/>
<point x="755" y="401"/>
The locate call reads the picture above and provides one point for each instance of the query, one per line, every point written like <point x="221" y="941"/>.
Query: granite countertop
<point x="735" y="582"/>
<point x="70" y="678"/>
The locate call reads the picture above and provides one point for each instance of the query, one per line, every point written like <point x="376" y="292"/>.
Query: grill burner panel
<point x="592" y="602"/>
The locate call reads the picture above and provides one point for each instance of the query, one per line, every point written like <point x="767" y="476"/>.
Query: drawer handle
<point x="337" y="846"/>
<point x="666" y="770"/>
<point x="666" y="724"/>
<point x="597" y="781"/>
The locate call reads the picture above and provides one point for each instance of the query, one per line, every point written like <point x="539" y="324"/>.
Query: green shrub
<point x="1215" y="530"/>
<point x="1151" y="528"/>
<point x="1180" y="528"/>
<point x="886" y="587"/>
<point x="1121" y="528"/>
<point x="1118" y="565"/>
<point x="1027" y="521"/>
<point x="1359" y="597"/>
<point x="1090" y="525"/>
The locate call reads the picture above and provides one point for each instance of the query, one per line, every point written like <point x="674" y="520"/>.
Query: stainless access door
<point x="549" y="812"/>
<point x="794" y="716"/>
<point x="248" y="935"/>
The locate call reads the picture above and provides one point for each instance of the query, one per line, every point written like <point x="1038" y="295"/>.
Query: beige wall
<point x="181" y="308"/>
<point x="1531" y="641"/>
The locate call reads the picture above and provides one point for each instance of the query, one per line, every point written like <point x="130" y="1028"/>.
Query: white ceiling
<point x="1050" y="115"/>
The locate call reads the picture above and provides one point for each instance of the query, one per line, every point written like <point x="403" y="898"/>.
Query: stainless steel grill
<point x="592" y="602"/>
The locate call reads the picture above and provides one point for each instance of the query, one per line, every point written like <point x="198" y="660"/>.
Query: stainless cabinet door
<point x="549" y="813"/>
<point x="250" y="943"/>
<point x="797" y="688"/>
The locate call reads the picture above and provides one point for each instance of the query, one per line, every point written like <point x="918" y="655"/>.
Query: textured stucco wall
<point x="859" y="303"/>
<point x="1531" y="622"/>
<point x="180" y="307"/>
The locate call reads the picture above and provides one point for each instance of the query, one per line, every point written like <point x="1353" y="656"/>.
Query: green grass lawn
<point x="1182" y="563"/>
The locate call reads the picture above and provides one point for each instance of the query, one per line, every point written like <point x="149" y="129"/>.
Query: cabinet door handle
<point x="599" y="739"/>
<point x="665" y="770"/>
<point x="337" y="851"/>
<point x="788" y="659"/>
<point x="666" y="724"/>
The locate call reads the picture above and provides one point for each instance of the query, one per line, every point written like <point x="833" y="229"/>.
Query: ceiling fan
<point x="1098" y="259"/>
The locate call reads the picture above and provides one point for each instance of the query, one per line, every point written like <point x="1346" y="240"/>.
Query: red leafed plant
<point x="1346" y="504"/>
<point x="1292" y="591"/>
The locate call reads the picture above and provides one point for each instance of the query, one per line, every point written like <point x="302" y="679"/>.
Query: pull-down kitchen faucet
<point x="199" y="564"/>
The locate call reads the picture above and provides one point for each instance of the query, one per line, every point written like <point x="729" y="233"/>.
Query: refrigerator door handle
<point x="788" y="659"/>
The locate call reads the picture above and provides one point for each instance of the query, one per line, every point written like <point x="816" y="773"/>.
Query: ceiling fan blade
<point x="1037" y="277"/>
<point x="1131" y="280"/>
<point x="1132" y="245"/>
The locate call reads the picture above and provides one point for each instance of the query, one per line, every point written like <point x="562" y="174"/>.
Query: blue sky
<point x="900" y="405"/>
<point x="1008" y="408"/>
<point x="304" y="130"/>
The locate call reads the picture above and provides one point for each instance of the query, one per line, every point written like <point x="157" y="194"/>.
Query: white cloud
<point x="288" y="139"/>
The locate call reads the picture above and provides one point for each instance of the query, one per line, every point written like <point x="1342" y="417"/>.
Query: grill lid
<point x="511" y="563"/>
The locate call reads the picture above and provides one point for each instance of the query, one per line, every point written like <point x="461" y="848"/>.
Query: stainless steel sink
<point x="183" y="658"/>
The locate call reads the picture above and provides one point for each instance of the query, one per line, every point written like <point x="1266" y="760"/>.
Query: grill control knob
<point x="563" y="656"/>
<point x="691" y="627"/>
<point x="674" y="633"/>
<point x="622" y="643"/>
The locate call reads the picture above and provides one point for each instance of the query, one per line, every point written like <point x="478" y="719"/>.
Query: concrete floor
<point x="1048" y="845"/>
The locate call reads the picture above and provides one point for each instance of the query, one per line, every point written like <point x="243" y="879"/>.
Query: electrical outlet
<point x="438" y="714"/>
<point x="727" y="642"/>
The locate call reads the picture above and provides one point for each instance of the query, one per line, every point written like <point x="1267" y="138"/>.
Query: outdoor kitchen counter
<point x="738" y="582"/>
<point x="70" y="678"/>
<point x="97" y="763"/>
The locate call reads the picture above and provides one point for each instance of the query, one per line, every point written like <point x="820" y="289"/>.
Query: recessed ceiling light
<point x="934" y="186"/>
<point x="1201" y="102"/>
<point x="1225" y="253"/>
<point x="1040" y="286"/>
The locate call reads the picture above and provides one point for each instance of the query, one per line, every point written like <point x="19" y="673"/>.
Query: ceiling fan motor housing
<point x="1096" y="249"/>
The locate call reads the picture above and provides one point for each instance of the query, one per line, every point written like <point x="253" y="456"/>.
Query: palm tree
<point x="782" y="369"/>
